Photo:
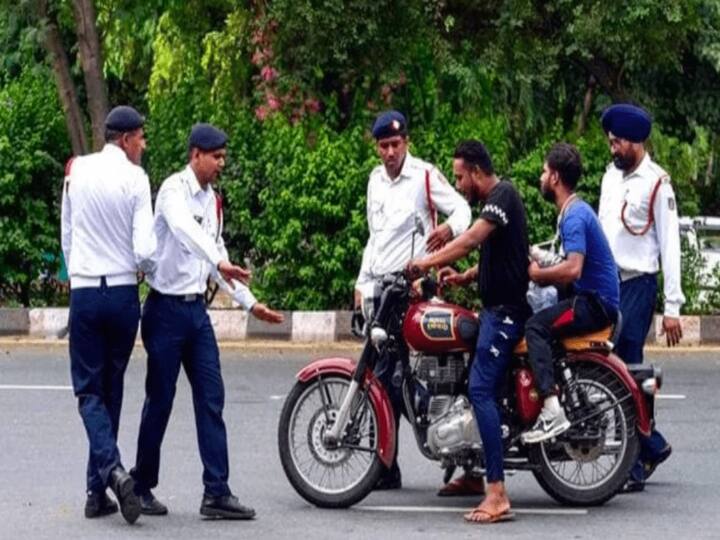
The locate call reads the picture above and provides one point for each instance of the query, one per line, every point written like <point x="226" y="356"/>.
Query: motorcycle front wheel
<point x="328" y="476"/>
<point x="584" y="469"/>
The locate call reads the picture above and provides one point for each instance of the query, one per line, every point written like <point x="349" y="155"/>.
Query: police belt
<point x="626" y="275"/>
<point x="116" y="280"/>
<point x="193" y="297"/>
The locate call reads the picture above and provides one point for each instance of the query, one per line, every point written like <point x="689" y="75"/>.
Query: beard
<point x="621" y="162"/>
<point x="548" y="195"/>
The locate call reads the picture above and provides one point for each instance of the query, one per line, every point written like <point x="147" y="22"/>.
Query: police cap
<point x="207" y="137"/>
<point x="627" y="121"/>
<point x="389" y="124"/>
<point x="124" y="118"/>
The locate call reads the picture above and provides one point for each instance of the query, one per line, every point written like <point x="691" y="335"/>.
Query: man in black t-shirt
<point x="501" y="234"/>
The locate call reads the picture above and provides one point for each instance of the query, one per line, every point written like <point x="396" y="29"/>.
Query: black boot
<point x="123" y="486"/>
<point x="150" y="506"/>
<point x="225" y="507"/>
<point x="98" y="504"/>
<point x="389" y="479"/>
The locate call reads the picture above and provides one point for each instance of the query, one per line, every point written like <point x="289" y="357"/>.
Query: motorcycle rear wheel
<point x="328" y="477"/>
<point x="583" y="473"/>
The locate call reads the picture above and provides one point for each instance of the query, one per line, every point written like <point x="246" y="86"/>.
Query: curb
<point x="300" y="326"/>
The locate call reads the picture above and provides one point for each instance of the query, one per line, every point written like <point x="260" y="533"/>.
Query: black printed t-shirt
<point x="503" y="270"/>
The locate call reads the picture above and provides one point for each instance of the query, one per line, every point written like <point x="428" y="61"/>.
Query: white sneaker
<point x="548" y="425"/>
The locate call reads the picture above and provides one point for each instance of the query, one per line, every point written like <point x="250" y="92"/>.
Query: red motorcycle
<point x="337" y="428"/>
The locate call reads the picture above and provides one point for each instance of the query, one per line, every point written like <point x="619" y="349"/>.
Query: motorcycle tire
<point x="598" y="377"/>
<point x="323" y="498"/>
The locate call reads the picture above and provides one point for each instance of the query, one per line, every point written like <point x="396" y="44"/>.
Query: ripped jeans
<point x="500" y="331"/>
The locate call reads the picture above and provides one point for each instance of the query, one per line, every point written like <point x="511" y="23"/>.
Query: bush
<point x="33" y="141"/>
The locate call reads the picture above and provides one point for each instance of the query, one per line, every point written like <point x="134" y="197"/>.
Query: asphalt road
<point x="43" y="451"/>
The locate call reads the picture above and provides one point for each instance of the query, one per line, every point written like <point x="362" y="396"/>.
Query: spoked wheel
<point x="588" y="464"/>
<point x="329" y="476"/>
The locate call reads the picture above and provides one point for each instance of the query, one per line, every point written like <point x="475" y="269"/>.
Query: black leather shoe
<point x="650" y="466"/>
<point x="632" y="486"/>
<point x="123" y="486"/>
<point x="389" y="479"/>
<point x="225" y="507"/>
<point x="150" y="506"/>
<point x="98" y="504"/>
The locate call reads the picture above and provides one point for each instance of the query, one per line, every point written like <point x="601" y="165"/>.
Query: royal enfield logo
<point x="438" y="325"/>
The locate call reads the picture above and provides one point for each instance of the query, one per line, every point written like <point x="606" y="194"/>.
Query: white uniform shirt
<point x="190" y="243"/>
<point x="391" y="207"/>
<point x="107" y="223"/>
<point x="641" y="254"/>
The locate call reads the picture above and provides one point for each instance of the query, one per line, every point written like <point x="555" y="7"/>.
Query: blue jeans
<point x="103" y="326"/>
<point x="499" y="333"/>
<point x="178" y="333"/>
<point x="637" y="305"/>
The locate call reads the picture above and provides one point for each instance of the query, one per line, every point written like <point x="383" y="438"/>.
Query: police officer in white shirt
<point x="176" y="328"/>
<point x="398" y="190"/>
<point x="107" y="237"/>
<point x="638" y="213"/>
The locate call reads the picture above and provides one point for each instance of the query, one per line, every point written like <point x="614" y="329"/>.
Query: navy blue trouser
<point x="637" y="305"/>
<point x="103" y="326"/>
<point x="499" y="333"/>
<point x="177" y="333"/>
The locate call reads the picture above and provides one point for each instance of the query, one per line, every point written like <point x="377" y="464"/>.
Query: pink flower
<point x="313" y="105"/>
<point x="261" y="112"/>
<point x="273" y="102"/>
<point x="268" y="73"/>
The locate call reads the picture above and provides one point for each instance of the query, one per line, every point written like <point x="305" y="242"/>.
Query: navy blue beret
<point x="207" y="137"/>
<point x="389" y="124"/>
<point x="627" y="121"/>
<point x="124" y="118"/>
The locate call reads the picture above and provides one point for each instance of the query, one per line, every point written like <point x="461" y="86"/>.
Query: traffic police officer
<point x="107" y="237"/>
<point x="401" y="188"/>
<point x="176" y="328"/>
<point x="638" y="213"/>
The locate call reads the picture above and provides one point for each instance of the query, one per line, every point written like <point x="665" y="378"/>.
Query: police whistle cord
<point x="650" y="218"/>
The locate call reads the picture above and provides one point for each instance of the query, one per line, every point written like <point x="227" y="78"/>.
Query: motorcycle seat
<point x="593" y="340"/>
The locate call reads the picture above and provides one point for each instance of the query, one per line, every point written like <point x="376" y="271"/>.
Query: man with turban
<point x="638" y="213"/>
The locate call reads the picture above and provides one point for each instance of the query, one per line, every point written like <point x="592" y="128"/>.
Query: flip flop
<point x="505" y="515"/>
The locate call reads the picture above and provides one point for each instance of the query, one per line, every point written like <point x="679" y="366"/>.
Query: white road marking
<point x="671" y="396"/>
<point x="33" y="387"/>
<point x="456" y="509"/>
<point x="277" y="397"/>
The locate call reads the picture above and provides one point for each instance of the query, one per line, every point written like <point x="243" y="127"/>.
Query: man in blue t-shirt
<point x="588" y="266"/>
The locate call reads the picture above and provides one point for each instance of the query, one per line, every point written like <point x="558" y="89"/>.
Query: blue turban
<point x="207" y="137"/>
<point x="124" y="118"/>
<point x="627" y="122"/>
<point x="389" y="124"/>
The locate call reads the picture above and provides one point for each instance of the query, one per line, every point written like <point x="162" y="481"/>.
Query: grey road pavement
<point x="43" y="450"/>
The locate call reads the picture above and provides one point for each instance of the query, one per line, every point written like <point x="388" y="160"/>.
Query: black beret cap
<point x="124" y="118"/>
<point x="207" y="137"/>
<point x="389" y="124"/>
<point x="628" y="122"/>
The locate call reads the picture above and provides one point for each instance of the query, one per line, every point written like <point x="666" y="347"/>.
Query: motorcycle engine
<point x="455" y="431"/>
<point x="452" y="426"/>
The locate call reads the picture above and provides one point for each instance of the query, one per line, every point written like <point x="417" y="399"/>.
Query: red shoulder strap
<point x="431" y="206"/>
<point x="219" y="213"/>
<point x="68" y="165"/>
<point x="651" y="212"/>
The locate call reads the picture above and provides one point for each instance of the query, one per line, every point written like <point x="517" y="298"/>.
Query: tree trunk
<point x="92" y="64"/>
<point x="66" y="89"/>
<point x="587" y="105"/>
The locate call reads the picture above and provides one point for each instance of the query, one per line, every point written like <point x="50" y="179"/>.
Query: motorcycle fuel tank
<point x="439" y="327"/>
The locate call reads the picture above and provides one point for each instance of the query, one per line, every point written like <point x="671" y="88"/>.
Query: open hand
<point x="264" y="313"/>
<point x="439" y="237"/>
<point x="230" y="271"/>
<point x="672" y="329"/>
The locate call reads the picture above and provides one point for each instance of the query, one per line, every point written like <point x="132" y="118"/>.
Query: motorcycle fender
<point x="618" y="367"/>
<point x="376" y="393"/>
